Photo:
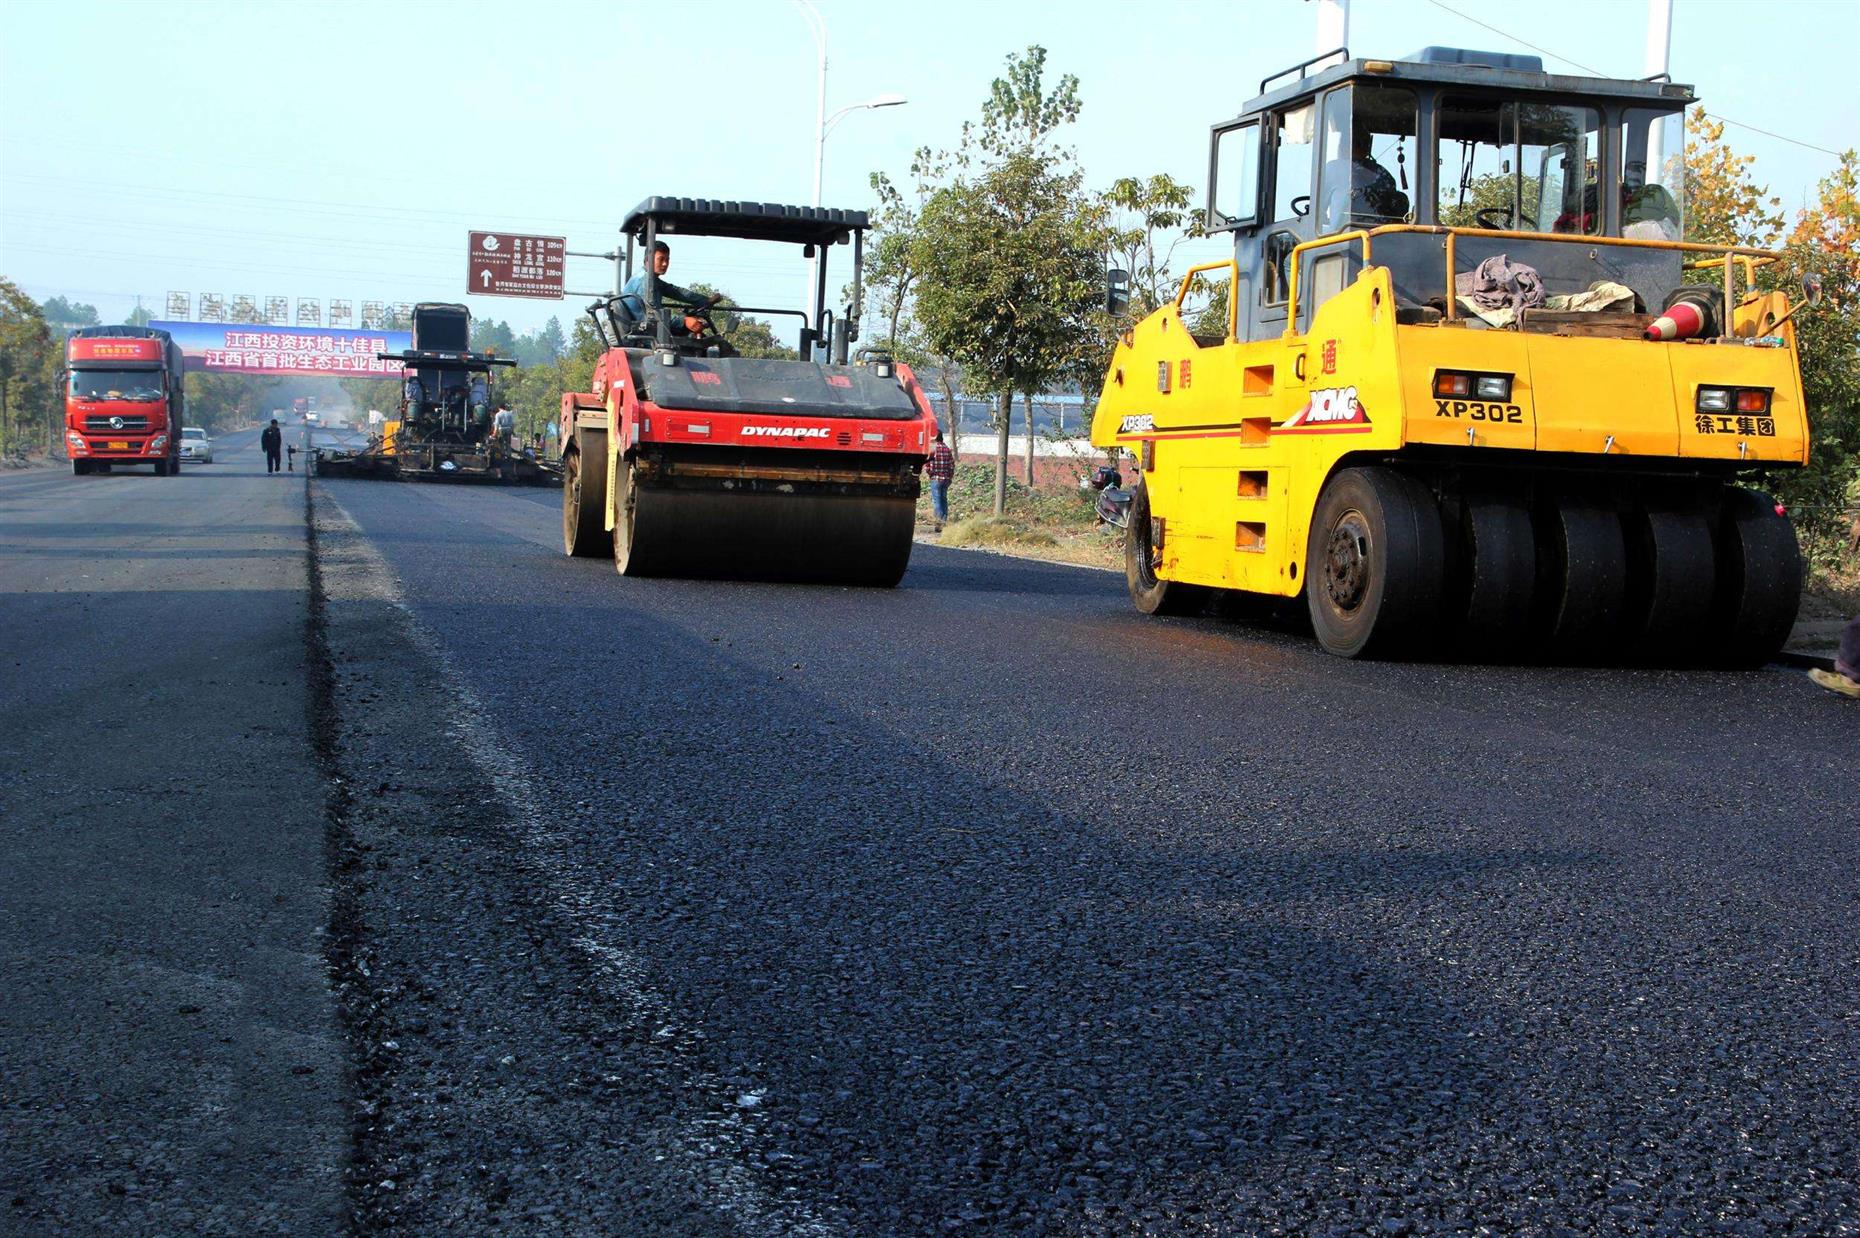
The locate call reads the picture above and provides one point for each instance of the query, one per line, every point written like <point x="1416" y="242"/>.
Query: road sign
<point x="502" y="265"/>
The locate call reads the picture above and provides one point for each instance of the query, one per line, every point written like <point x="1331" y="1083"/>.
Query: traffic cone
<point x="1690" y="312"/>
<point x="1681" y="321"/>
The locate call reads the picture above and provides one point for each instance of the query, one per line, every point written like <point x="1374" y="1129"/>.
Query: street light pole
<point x="823" y="125"/>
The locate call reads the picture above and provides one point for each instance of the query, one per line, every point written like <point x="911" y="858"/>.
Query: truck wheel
<point x="1582" y="577"/>
<point x="1500" y="575"/>
<point x="1153" y="596"/>
<point x="1759" y="580"/>
<point x="161" y="468"/>
<point x="1671" y="580"/>
<point x="584" y="499"/>
<point x="1375" y="564"/>
<point x="80" y="468"/>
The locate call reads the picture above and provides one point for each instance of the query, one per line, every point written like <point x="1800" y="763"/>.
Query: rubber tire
<point x="1499" y="549"/>
<point x="161" y="468"/>
<point x="1152" y="595"/>
<point x="584" y="506"/>
<point x="1380" y="595"/>
<point x="1672" y="577"/>
<point x="1581" y="578"/>
<point x="1759" y="580"/>
<point x="80" y="468"/>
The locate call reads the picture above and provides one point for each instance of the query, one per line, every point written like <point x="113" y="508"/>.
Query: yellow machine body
<point x="1234" y="441"/>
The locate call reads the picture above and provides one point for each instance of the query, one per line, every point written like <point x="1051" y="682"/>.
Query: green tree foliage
<point x="31" y="404"/>
<point x="1148" y="219"/>
<point x="1008" y="251"/>
<point x="492" y="336"/>
<point x="64" y="316"/>
<point x="139" y="316"/>
<point x="218" y="401"/>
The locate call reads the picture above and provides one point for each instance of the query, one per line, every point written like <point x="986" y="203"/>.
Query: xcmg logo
<point x="786" y="432"/>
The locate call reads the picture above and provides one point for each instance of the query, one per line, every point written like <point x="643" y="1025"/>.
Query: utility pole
<point x="1333" y="26"/>
<point x="1658" y="58"/>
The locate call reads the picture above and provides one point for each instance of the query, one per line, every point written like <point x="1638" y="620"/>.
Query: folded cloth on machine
<point x="1498" y="288"/>
<point x="1603" y="295"/>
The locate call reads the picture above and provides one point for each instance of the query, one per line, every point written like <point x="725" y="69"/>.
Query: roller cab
<point x="1463" y="387"/>
<point x="702" y="462"/>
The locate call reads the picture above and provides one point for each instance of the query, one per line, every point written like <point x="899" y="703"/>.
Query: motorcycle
<point x="1113" y="505"/>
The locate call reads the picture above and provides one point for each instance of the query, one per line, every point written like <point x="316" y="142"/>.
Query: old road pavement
<point x="655" y="907"/>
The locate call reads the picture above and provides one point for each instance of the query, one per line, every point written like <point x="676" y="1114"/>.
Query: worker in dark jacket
<point x="272" y="440"/>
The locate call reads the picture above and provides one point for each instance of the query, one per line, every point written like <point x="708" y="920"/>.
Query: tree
<point x="1724" y="205"/>
<point x="1823" y="242"/>
<point x="63" y="316"/>
<point x="29" y="361"/>
<point x="139" y="316"/>
<point x="1007" y="259"/>
<point x="1010" y="265"/>
<point x="497" y="337"/>
<point x="1148" y="219"/>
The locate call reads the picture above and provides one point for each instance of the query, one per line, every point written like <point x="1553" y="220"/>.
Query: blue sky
<point x="278" y="149"/>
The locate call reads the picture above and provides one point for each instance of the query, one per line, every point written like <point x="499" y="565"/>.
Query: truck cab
<point x="123" y="399"/>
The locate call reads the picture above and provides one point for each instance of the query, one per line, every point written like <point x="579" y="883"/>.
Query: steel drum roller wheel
<point x="584" y="499"/>
<point x="1759" y="580"/>
<point x="1501" y="575"/>
<point x="1152" y="595"/>
<point x="1375" y="565"/>
<point x="757" y="535"/>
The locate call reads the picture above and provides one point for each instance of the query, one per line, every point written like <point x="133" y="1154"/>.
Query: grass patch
<point x="996" y="533"/>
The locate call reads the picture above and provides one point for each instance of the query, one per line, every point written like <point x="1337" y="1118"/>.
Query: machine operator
<point x="633" y="296"/>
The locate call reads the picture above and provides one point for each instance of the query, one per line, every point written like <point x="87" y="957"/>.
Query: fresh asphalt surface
<point x="989" y="903"/>
<point x="524" y="895"/>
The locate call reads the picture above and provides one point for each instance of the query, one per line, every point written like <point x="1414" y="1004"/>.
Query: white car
<point x="195" y="445"/>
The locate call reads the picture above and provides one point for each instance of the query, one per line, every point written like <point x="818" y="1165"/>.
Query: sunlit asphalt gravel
<point x="987" y="904"/>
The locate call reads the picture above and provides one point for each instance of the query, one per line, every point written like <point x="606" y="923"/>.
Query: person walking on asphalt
<point x="272" y="440"/>
<point x="940" y="469"/>
<point x="1845" y="677"/>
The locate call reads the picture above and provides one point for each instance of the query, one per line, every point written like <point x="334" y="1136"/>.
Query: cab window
<point x="1368" y="131"/>
<point x="1295" y="133"/>
<point x="1519" y="167"/>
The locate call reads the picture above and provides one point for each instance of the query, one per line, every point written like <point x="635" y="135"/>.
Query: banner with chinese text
<point x="232" y="348"/>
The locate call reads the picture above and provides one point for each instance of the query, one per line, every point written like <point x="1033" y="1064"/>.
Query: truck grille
<point x="131" y="425"/>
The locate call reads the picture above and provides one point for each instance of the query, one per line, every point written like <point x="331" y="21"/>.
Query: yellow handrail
<point x="1724" y="253"/>
<point x="1233" y="277"/>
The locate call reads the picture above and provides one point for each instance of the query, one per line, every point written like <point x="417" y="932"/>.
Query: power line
<point x="1594" y="72"/>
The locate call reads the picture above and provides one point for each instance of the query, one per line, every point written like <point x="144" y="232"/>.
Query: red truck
<point x="123" y="399"/>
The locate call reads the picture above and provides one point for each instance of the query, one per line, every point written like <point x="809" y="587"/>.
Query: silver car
<point x="195" y="445"/>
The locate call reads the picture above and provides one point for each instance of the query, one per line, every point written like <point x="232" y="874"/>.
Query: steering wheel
<point x="1506" y="211"/>
<point x="1301" y="205"/>
<point x="702" y="313"/>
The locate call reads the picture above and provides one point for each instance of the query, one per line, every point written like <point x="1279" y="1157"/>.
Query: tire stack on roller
<point x="1534" y="566"/>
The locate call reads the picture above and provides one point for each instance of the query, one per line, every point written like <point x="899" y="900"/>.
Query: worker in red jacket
<point x="940" y="469"/>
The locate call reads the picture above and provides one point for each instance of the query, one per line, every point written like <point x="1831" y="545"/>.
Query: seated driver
<point x="633" y="296"/>
<point x="1374" y="199"/>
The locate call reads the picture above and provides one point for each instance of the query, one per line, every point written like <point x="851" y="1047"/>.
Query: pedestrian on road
<point x="272" y="440"/>
<point x="940" y="469"/>
<point x="1845" y="677"/>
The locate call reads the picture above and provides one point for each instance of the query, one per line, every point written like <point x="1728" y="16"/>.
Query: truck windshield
<point x="116" y="384"/>
<point x="1519" y="167"/>
<point x="1653" y="174"/>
